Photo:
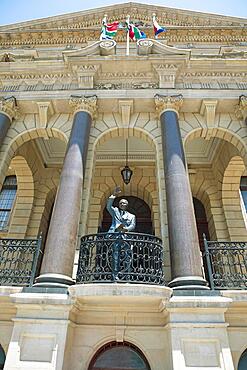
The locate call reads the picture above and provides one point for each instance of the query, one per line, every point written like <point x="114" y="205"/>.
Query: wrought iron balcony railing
<point x="18" y="261"/>
<point x="121" y="257"/>
<point x="226" y="264"/>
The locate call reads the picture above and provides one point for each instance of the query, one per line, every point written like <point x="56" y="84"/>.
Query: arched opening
<point x="119" y="356"/>
<point x="242" y="365"/>
<point x="136" y="206"/>
<point x="202" y="229"/>
<point x="2" y="357"/>
<point x="201" y="221"/>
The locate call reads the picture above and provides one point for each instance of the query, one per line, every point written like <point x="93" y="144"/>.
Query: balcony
<point x="120" y="257"/>
<point x="123" y="258"/>
<point x="19" y="261"/>
<point x="226" y="264"/>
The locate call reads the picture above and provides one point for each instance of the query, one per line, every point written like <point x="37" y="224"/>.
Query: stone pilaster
<point x="183" y="238"/>
<point x="241" y="109"/>
<point x="8" y="111"/>
<point x="62" y="236"/>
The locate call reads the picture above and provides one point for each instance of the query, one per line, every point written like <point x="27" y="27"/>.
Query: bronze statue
<point x="122" y="220"/>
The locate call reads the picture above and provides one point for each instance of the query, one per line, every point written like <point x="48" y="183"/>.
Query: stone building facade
<point x="69" y="103"/>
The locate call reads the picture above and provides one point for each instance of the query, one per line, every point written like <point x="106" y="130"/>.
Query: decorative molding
<point x="164" y="103"/>
<point x="125" y="109"/>
<point x="167" y="75"/>
<point x="226" y="75"/>
<point x="183" y="34"/>
<point x="241" y="108"/>
<point x="9" y="107"/>
<point x="144" y="46"/>
<point x="31" y="80"/>
<point x="46" y="110"/>
<point x="121" y="157"/>
<point x="107" y="47"/>
<point x="208" y="109"/>
<point x="126" y="85"/>
<point x="84" y="103"/>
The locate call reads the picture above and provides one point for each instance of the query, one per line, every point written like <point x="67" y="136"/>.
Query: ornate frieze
<point x="9" y="107"/>
<point x="164" y="103"/>
<point x="84" y="103"/>
<point x="241" y="109"/>
<point x="173" y="35"/>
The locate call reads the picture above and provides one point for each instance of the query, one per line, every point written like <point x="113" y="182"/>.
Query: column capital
<point x="169" y="102"/>
<point x="241" y="108"/>
<point x="8" y="107"/>
<point x="84" y="103"/>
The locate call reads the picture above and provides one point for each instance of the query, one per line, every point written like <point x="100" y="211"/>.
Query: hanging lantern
<point x="126" y="171"/>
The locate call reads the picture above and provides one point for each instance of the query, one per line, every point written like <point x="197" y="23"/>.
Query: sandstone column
<point x="61" y="242"/>
<point x="8" y="111"/>
<point x="183" y="238"/>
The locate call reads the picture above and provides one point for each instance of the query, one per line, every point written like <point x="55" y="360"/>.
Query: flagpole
<point x="128" y="38"/>
<point x="103" y="25"/>
<point x="154" y="17"/>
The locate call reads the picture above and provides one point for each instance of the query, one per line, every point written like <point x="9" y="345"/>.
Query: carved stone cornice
<point x="9" y="107"/>
<point x="84" y="103"/>
<point x="165" y="103"/>
<point x="85" y="75"/>
<point x="241" y="108"/>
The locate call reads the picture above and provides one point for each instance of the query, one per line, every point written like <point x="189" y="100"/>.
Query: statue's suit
<point x="120" y="217"/>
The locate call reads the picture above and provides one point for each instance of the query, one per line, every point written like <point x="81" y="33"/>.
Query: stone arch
<point x="99" y="197"/>
<point x="221" y="133"/>
<point x="45" y="193"/>
<point x="9" y="149"/>
<point x="100" y="136"/>
<point x="231" y="199"/>
<point x="204" y="189"/>
<point x="112" y="345"/>
<point x="24" y="198"/>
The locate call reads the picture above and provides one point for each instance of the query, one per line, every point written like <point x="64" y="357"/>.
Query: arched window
<point x="2" y="357"/>
<point x="122" y="356"/>
<point x="242" y="365"/>
<point x="7" y="197"/>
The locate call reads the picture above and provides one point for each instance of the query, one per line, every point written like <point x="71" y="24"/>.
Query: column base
<point x="53" y="281"/>
<point x="188" y="282"/>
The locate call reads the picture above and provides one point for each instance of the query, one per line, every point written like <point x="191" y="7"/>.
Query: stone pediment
<point x="141" y="13"/>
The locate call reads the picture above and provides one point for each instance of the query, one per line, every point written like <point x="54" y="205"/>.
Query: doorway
<point x="119" y="356"/>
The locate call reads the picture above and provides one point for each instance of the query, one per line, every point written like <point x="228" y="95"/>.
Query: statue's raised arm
<point x="122" y="220"/>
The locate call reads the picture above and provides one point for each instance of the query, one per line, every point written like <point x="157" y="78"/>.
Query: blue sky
<point x="12" y="11"/>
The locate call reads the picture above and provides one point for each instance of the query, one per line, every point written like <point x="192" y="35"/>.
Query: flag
<point x="134" y="32"/>
<point x="108" y="31"/>
<point x="157" y="28"/>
